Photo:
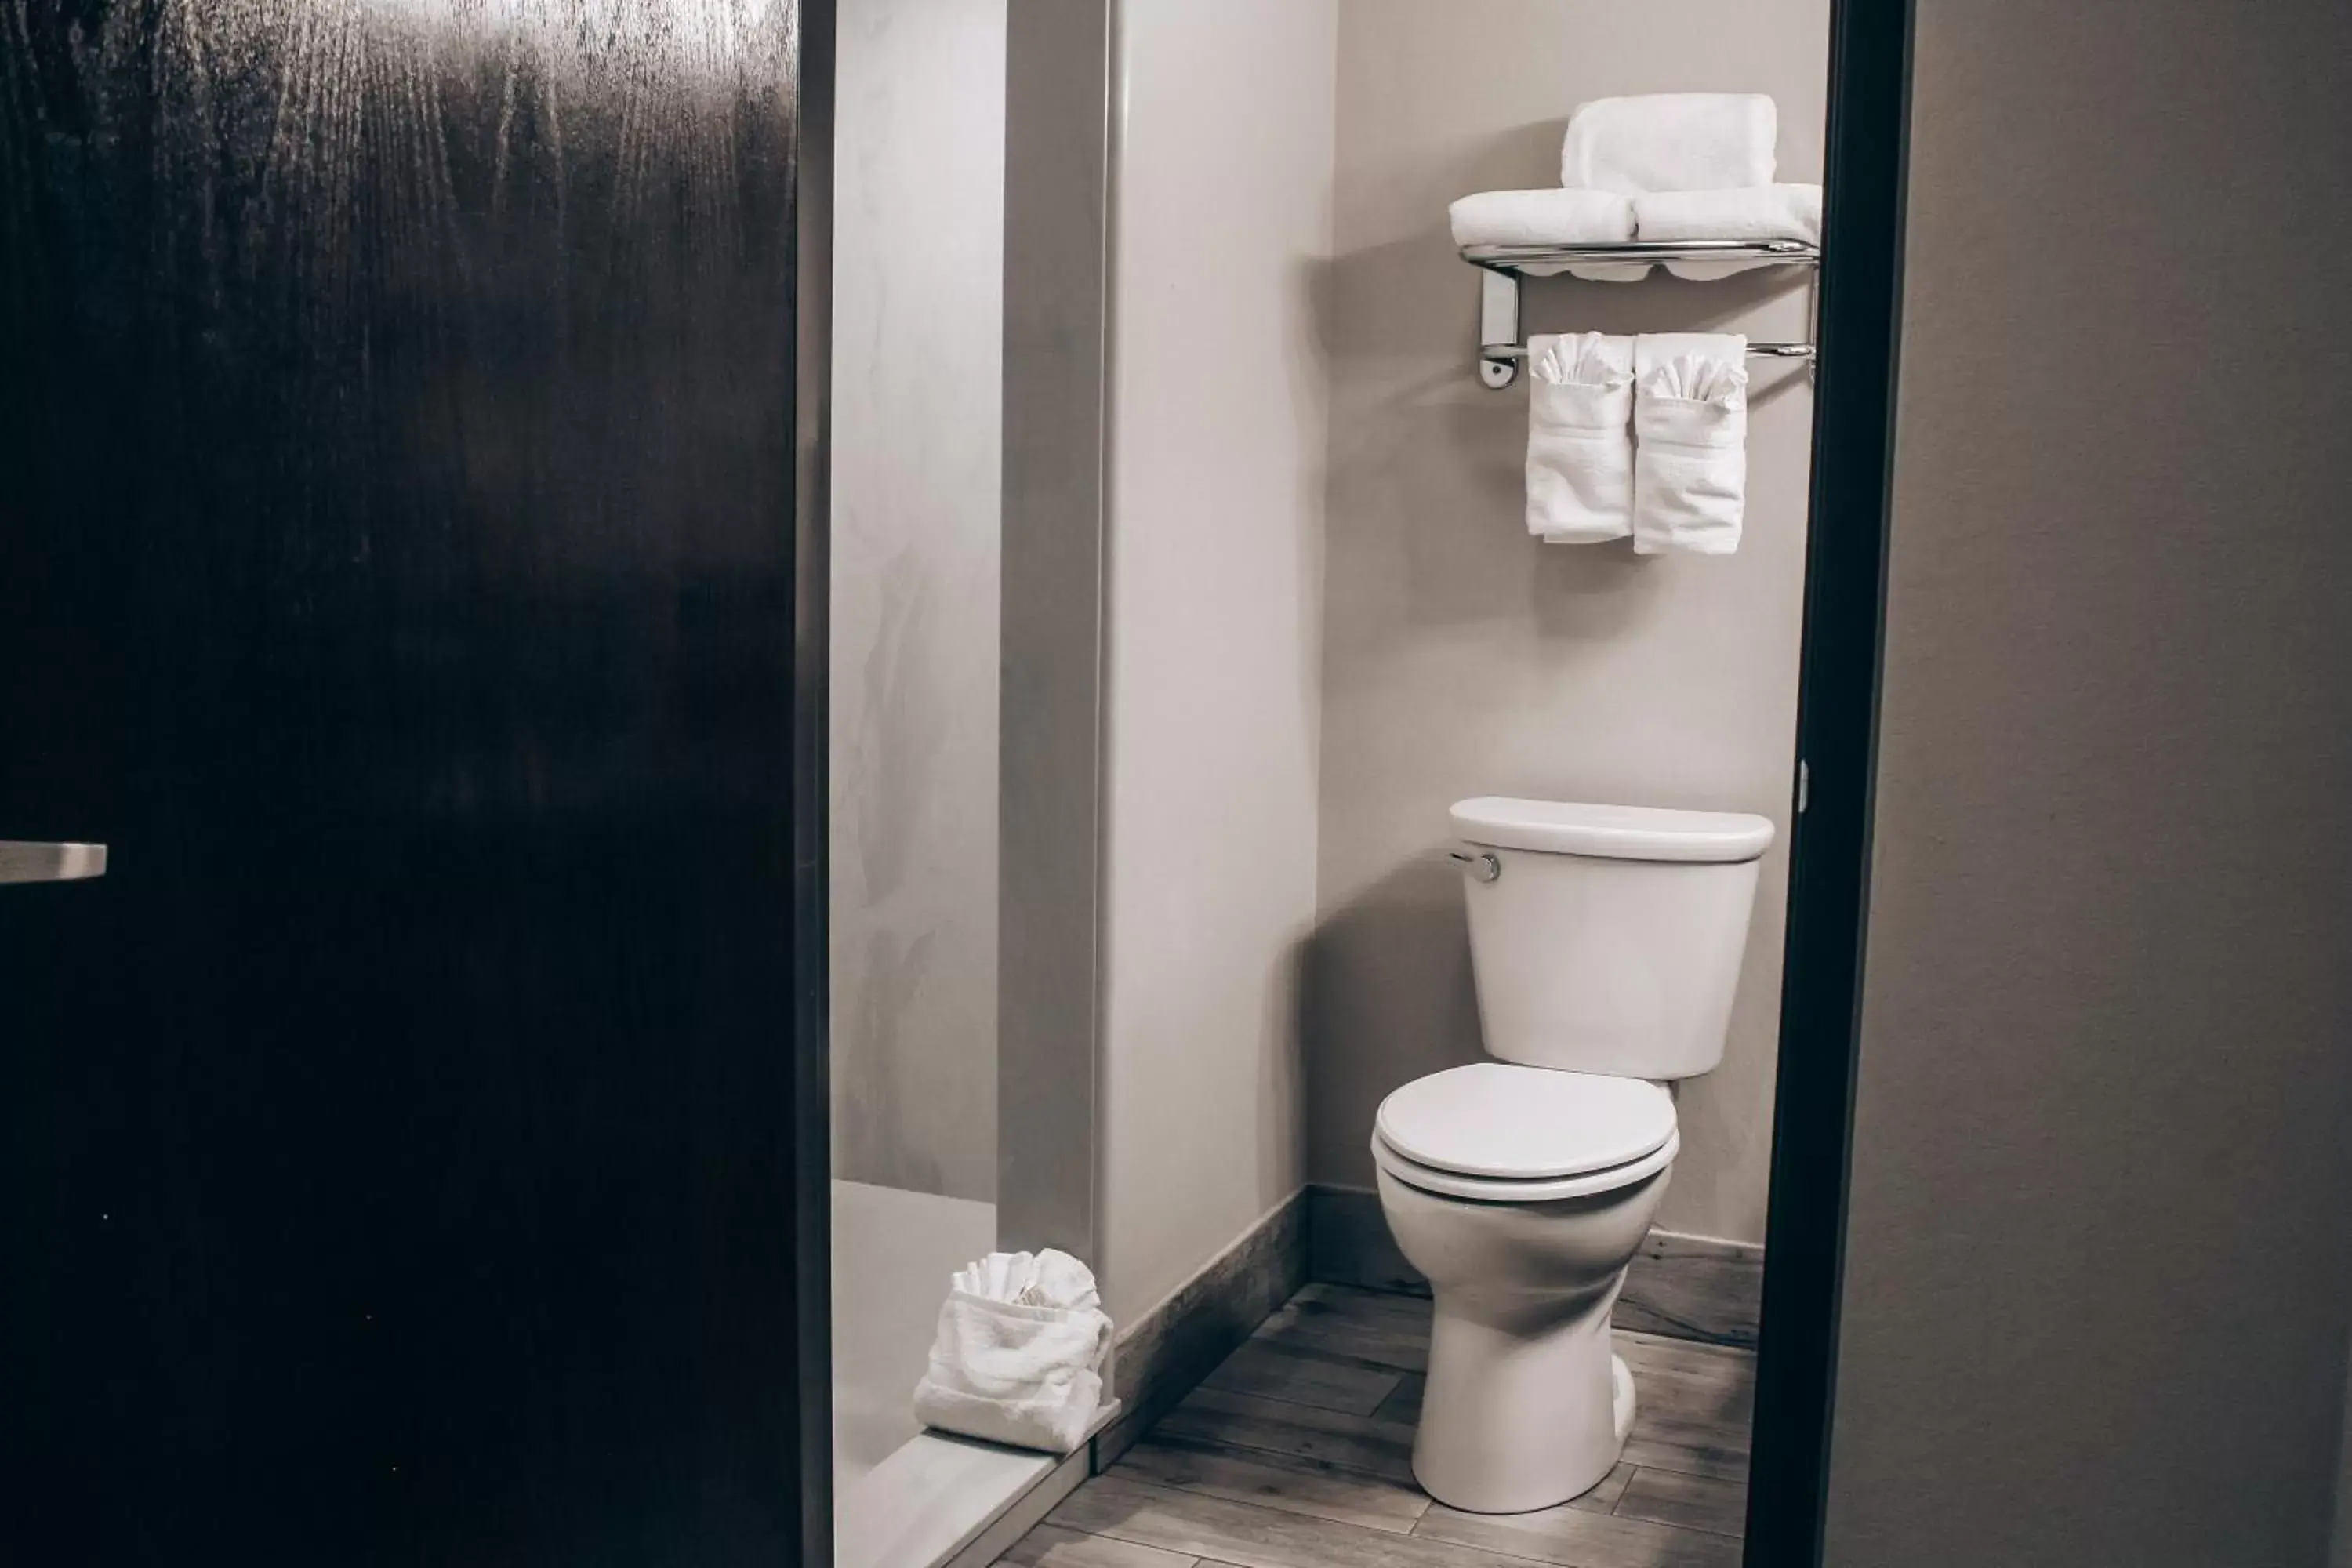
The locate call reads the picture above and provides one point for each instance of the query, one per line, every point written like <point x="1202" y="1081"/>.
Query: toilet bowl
<point x="1605" y="942"/>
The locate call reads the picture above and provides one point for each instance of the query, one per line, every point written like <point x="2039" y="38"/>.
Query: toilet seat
<point x="1498" y="1132"/>
<point x="1490" y="1190"/>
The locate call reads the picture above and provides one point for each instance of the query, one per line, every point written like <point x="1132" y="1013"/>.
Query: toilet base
<point x="1513" y="1421"/>
<point x="1526" y="1406"/>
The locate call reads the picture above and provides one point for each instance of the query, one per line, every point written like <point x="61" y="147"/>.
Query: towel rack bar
<point x="1501" y="349"/>
<point x="1755" y="351"/>
<point x="1517" y="257"/>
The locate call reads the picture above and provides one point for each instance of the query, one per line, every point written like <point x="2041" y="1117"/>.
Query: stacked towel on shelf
<point x="1665" y="142"/>
<point x="1542" y="217"/>
<point x="1580" y="437"/>
<point x="1020" y="1353"/>
<point x="1750" y="213"/>
<point x="1645" y="437"/>
<point x="1547" y="218"/>
<point x="1690" y="455"/>
<point x="1670" y="142"/>
<point x="1671" y="165"/>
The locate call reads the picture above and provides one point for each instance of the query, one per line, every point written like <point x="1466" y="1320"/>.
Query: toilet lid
<point x="1613" y="832"/>
<point x="1522" y="1123"/>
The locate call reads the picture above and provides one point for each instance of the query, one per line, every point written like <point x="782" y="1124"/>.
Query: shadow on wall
<point x="1385" y="995"/>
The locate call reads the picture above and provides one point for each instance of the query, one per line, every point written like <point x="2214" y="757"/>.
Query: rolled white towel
<point x="1670" y="142"/>
<point x="1019" y="1356"/>
<point x="1753" y="213"/>
<point x="1580" y="437"/>
<point x="1690" y="459"/>
<point x="1548" y="217"/>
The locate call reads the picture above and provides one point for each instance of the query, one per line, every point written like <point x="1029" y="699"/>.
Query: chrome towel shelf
<point x="1501" y="345"/>
<point x="1755" y="351"/>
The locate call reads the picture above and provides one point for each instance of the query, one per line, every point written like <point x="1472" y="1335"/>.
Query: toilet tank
<point x="1608" y="939"/>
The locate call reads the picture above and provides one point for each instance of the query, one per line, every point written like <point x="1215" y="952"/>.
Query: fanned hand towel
<point x="1690" y="459"/>
<point x="1019" y="1354"/>
<point x="1755" y="211"/>
<point x="1670" y="142"/>
<point x="1580" y="437"/>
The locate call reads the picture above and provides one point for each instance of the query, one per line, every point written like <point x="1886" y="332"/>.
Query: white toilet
<point x="1606" y="941"/>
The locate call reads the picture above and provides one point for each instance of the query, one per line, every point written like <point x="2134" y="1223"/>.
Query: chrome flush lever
<point x="50" y="862"/>
<point x="1484" y="867"/>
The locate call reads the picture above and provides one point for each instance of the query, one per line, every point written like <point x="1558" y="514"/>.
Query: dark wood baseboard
<point x="1687" y="1287"/>
<point x="1164" y="1354"/>
<point x="1347" y="1243"/>
<point x="1695" y="1288"/>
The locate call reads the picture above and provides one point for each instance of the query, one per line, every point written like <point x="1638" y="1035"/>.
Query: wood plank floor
<point x="1296" y="1453"/>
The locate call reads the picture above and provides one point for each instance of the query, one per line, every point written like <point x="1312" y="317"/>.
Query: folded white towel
<point x="1749" y="212"/>
<point x="1548" y="217"/>
<point x="1752" y="211"/>
<point x="1019" y="1354"/>
<point x="1690" y="461"/>
<point x="1580" y="437"/>
<point x="1670" y="142"/>
<point x="1542" y="217"/>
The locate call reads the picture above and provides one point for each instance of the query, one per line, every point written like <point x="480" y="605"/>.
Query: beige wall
<point x="918" y="361"/>
<point x="1224" y="224"/>
<point x="2096" y="1282"/>
<point x="1462" y="658"/>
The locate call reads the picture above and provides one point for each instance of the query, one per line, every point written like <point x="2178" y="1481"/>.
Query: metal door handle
<point x="50" y="862"/>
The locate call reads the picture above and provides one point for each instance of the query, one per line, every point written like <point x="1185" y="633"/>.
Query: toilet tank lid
<point x="1611" y="831"/>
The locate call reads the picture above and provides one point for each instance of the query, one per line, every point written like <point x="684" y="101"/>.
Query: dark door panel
<point x="397" y="442"/>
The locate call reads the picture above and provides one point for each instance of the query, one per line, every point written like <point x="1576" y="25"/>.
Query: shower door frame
<point x="1837" y="745"/>
<point x="1060" y="133"/>
<point x="812" y="1173"/>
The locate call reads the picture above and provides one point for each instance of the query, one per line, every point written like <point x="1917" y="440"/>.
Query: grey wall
<point x="917" y="362"/>
<point x="2097" y="1289"/>
<point x="1462" y="658"/>
<point x="1222" y="233"/>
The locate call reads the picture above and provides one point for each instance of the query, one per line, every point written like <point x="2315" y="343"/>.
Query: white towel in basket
<point x="1020" y="1353"/>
